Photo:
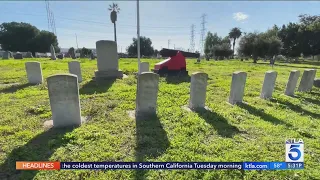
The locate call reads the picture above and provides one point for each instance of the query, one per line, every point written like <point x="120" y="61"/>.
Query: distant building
<point x="122" y="55"/>
<point x="180" y="49"/>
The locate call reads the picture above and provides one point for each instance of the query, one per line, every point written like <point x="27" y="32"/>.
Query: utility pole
<point x="77" y="41"/>
<point x="203" y="32"/>
<point x="192" y="44"/>
<point x="138" y="35"/>
<point x="168" y="43"/>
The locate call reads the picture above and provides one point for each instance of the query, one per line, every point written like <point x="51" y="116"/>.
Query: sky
<point x="166" y="23"/>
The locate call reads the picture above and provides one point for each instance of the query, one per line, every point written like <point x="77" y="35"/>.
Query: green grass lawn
<point x="252" y="132"/>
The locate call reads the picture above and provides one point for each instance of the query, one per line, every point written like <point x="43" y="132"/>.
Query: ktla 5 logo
<point x="294" y="150"/>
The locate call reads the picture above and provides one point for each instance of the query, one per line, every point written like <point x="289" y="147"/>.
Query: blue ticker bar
<point x="183" y="165"/>
<point x="272" y="165"/>
<point x="264" y="165"/>
<point x="278" y="165"/>
<point x="295" y="165"/>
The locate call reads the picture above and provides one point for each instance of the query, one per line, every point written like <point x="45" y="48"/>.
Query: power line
<point x="50" y="18"/>
<point x="47" y="15"/>
<point x="203" y="32"/>
<point x="192" y="44"/>
<point x="99" y="22"/>
<point x="54" y="25"/>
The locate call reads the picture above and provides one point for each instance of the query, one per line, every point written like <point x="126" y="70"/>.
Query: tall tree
<point x="308" y="19"/>
<point x="226" y="40"/>
<point x="113" y="16"/>
<point x="222" y="50"/>
<point x="272" y="32"/>
<point x="71" y="50"/>
<point x="249" y="45"/>
<point x="274" y="46"/>
<point x="210" y="41"/>
<point x="259" y="45"/>
<point x="155" y="53"/>
<point x="16" y="36"/>
<point x="208" y="44"/>
<point x="289" y="35"/>
<point x="84" y="51"/>
<point x="24" y="37"/>
<point x="146" y="48"/>
<point x="43" y="41"/>
<point x="272" y="43"/>
<point x="309" y="35"/>
<point x="234" y="34"/>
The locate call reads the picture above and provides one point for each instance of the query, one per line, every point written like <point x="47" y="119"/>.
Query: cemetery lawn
<point x="250" y="132"/>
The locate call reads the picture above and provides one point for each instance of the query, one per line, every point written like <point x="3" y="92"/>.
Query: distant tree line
<point x="24" y="37"/>
<point x="146" y="48"/>
<point x="291" y="40"/>
<point x="217" y="47"/>
<point x="264" y="45"/>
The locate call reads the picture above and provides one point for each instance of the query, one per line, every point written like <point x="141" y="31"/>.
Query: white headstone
<point x="292" y="82"/>
<point x="307" y="79"/>
<point x="53" y="53"/>
<point x="144" y="67"/>
<point x="107" y="56"/>
<point x="237" y="87"/>
<point x="28" y="55"/>
<point x="73" y="55"/>
<point x="5" y="55"/>
<point x="38" y="55"/>
<point x="92" y="57"/>
<point x="74" y="68"/>
<point x="107" y="60"/>
<point x="268" y="84"/>
<point x="34" y="72"/>
<point x="60" y="56"/>
<point x="64" y="100"/>
<point x="316" y="82"/>
<point x="147" y="93"/>
<point x="313" y="76"/>
<point x="18" y="55"/>
<point x="198" y="89"/>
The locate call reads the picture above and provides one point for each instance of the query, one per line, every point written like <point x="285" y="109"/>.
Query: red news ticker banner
<point x="39" y="165"/>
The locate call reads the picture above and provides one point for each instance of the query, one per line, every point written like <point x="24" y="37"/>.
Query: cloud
<point x="240" y="16"/>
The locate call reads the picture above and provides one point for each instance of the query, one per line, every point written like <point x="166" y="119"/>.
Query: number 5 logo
<point x="294" y="149"/>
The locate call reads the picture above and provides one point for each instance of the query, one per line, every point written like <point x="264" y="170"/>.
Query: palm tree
<point x="113" y="16"/>
<point x="234" y="34"/>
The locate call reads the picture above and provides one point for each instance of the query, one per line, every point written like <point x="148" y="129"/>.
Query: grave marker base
<point x="108" y="74"/>
<point x="187" y="108"/>
<point x="132" y="114"/>
<point x="49" y="123"/>
<point x="237" y="103"/>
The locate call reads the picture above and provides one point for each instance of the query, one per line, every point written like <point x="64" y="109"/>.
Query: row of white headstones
<point x="34" y="71"/>
<point x="65" y="103"/>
